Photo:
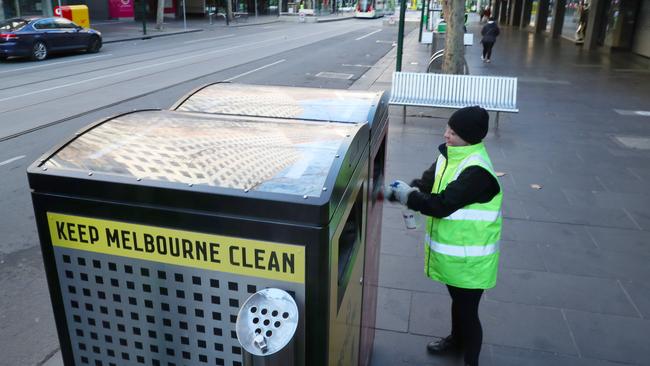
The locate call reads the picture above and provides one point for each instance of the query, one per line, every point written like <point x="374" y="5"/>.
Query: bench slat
<point x="494" y="93"/>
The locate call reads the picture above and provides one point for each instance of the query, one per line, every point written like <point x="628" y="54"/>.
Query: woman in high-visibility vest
<point x="461" y="196"/>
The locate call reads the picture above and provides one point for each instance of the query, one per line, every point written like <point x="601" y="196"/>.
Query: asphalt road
<point x="43" y="103"/>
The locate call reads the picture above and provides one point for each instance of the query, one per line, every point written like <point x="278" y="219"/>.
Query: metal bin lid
<point x="330" y="105"/>
<point x="249" y="153"/>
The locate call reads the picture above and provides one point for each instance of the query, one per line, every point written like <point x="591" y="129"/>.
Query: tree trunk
<point x="160" y="14"/>
<point x="229" y="9"/>
<point x="454" y="49"/>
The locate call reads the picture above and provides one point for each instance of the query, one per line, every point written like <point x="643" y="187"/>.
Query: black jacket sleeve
<point x="425" y="183"/>
<point x="473" y="185"/>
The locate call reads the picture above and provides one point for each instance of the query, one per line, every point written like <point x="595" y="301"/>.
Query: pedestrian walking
<point x="490" y="32"/>
<point x="487" y="13"/>
<point x="462" y="198"/>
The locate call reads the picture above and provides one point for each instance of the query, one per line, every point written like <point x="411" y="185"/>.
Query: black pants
<point x="465" y="324"/>
<point x="487" y="50"/>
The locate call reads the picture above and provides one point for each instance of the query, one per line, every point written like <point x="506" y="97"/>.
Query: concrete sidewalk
<point x="573" y="284"/>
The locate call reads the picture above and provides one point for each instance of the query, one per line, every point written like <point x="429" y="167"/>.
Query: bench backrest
<point x="494" y="93"/>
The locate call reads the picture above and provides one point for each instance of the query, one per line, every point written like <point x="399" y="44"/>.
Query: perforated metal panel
<point x="123" y="311"/>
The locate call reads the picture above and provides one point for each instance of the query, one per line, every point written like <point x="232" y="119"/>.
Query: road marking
<point x="357" y="65"/>
<point x="625" y="112"/>
<point x="11" y="160"/>
<point x="368" y="35"/>
<point x="202" y="54"/>
<point x="634" y="142"/>
<point x="208" y="39"/>
<point x="55" y="63"/>
<point x="254" y="70"/>
<point x="643" y="71"/>
<point x="334" y="75"/>
<point x="387" y="42"/>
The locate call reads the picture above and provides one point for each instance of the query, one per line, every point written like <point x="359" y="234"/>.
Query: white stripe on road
<point x="11" y="160"/>
<point x="625" y="112"/>
<point x="368" y="35"/>
<point x="208" y="39"/>
<point x="202" y="54"/>
<point x="254" y="70"/>
<point x="54" y="63"/>
<point x="357" y="65"/>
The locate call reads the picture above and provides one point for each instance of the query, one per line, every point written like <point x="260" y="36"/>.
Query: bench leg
<point x="404" y="115"/>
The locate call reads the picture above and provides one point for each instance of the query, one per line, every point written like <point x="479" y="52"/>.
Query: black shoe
<point x="444" y="345"/>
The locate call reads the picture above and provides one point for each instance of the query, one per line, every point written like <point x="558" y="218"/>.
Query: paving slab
<point x="609" y="337"/>
<point x="511" y="356"/>
<point x="508" y="324"/>
<point x="393" y="309"/>
<point x="595" y="262"/>
<point x="597" y="295"/>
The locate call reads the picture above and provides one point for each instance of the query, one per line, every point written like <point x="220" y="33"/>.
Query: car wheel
<point x="39" y="51"/>
<point x="94" y="45"/>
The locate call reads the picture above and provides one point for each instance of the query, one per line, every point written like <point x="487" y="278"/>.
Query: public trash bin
<point x="333" y="105"/>
<point x="157" y="226"/>
<point x="75" y="13"/>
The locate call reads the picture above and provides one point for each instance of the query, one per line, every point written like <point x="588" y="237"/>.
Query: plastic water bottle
<point x="409" y="219"/>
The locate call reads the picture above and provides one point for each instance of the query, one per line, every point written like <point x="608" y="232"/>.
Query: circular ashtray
<point x="267" y="321"/>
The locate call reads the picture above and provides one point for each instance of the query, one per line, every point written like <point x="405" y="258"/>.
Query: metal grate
<point x="123" y="311"/>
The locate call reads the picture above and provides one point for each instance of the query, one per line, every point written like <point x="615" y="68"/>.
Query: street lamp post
<point x="400" y="35"/>
<point x="144" y="17"/>
<point x="184" y="17"/>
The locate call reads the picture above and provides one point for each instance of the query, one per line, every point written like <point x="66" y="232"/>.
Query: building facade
<point x="100" y="10"/>
<point x="609" y="25"/>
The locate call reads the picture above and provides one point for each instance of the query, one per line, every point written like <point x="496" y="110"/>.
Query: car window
<point x="45" y="24"/>
<point x="63" y="23"/>
<point x="12" y="24"/>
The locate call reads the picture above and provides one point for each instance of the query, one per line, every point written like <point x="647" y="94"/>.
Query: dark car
<point x="37" y="37"/>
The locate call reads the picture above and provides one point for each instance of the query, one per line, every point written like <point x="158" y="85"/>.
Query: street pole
<point x="255" y="10"/>
<point x="421" y="21"/>
<point x="400" y="35"/>
<point x="144" y="17"/>
<point x="184" y="18"/>
<point x="60" y="10"/>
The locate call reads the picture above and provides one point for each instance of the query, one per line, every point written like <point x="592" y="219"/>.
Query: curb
<point x="251" y="24"/>
<point x="152" y="36"/>
<point x="327" y="20"/>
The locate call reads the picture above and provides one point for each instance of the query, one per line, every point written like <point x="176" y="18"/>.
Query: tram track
<point x="188" y="49"/>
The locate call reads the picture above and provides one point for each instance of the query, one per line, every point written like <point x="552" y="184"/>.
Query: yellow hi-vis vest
<point x="462" y="249"/>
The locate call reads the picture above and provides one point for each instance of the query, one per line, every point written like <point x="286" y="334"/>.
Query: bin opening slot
<point x="348" y="243"/>
<point x="379" y="163"/>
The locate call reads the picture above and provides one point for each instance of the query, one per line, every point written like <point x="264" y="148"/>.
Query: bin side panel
<point x="127" y="310"/>
<point x="373" y="243"/>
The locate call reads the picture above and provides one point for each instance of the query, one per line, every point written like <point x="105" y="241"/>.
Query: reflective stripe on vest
<point x="472" y="159"/>
<point x="474" y="215"/>
<point x="462" y="250"/>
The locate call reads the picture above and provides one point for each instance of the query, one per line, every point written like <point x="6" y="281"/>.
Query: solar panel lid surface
<point x="269" y="155"/>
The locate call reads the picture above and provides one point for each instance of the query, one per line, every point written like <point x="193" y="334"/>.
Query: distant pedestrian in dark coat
<point x="490" y="32"/>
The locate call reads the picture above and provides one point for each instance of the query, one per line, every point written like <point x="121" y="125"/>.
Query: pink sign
<point x="120" y="8"/>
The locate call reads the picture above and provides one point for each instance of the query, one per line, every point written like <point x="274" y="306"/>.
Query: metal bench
<point x="494" y="93"/>
<point x="237" y="16"/>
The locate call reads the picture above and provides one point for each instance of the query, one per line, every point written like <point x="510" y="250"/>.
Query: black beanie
<point x="470" y="123"/>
